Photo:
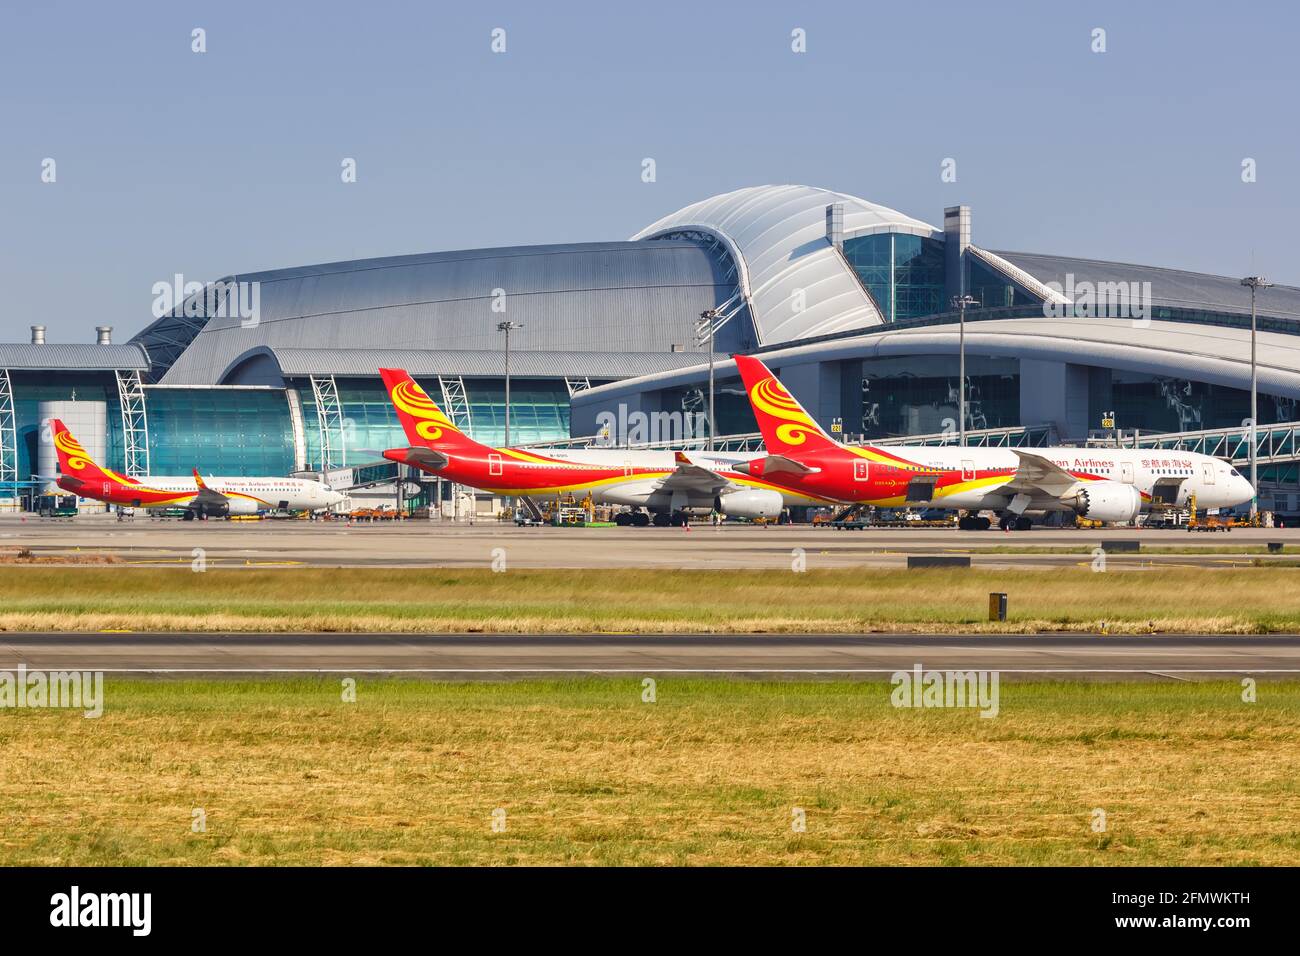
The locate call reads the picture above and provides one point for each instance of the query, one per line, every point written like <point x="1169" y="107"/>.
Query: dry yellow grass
<point x="1247" y="600"/>
<point x="586" y="772"/>
<point x="22" y="557"/>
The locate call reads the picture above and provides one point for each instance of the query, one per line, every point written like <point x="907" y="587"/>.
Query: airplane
<point x="1113" y="485"/>
<point x="200" y="497"/>
<point x="670" y="486"/>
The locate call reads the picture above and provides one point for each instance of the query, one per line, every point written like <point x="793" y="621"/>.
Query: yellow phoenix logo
<point x="412" y="399"/>
<point x="770" y="396"/>
<point x="77" y="458"/>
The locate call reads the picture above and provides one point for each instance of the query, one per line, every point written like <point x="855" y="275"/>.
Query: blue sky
<point x="229" y="161"/>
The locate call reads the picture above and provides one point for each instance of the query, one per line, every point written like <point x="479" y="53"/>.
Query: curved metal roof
<point x="56" y="357"/>
<point x="1175" y="288"/>
<point x="603" y="297"/>
<point x="777" y="234"/>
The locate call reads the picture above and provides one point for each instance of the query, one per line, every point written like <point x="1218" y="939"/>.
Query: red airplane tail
<point x="74" y="463"/>
<point x="787" y="429"/>
<point x="423" y="421"/>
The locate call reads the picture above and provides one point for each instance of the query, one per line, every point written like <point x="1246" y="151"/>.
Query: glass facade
<point x="539" y="412"/>
<point x="369" y="422"/>
<point x="904" y="273"/>
<point x="220" y="431"/>
<point x="993" y="290"/>
<point x="919" y="395"/>
<point x="539" y="409"/>
<point x="32" y="388"/>
<point x="1155" y="403"/>
<point x="731" y="408"/>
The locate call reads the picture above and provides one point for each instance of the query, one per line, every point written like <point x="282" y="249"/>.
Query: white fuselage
<point x="246" y="495"/>
<point x="646" y="469"/>
<point x="1178" y="474"/>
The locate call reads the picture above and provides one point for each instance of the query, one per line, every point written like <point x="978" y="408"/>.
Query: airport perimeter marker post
<point x="997" y="605"/>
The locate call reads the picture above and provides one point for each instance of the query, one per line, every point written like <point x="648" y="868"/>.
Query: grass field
<point x="1246" y="600"/>
<point x="710" y="773"/>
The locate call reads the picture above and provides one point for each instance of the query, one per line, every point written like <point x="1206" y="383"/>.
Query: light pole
<point x="704" y="330"/>
<point x="1254" y="283"/>
<point x="507" y="328"/>
<point x="960" y="302"/>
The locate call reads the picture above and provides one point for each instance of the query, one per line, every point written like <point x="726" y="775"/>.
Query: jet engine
<point x="1107" y="501"/>
<point x="752" y="503"/>
<point x="232" y="506"/>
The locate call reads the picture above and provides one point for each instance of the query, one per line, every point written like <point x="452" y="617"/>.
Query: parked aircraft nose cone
<point x="1241" y="489"/>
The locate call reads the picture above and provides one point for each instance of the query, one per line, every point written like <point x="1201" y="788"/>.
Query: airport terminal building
<point x="850" y="302"/>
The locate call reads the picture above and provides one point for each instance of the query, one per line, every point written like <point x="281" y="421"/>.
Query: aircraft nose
<point x="1244" y="490"/>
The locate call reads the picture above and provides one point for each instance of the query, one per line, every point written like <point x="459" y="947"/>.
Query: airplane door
<point x="494" y="464"/>
<point x="861" y="469"/>
<point x="1126" y="472"/>
<point x="968" y="471"/>
<point x="1207" y="472"/>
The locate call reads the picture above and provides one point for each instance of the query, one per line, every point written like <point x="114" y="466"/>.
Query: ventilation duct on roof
<point x="835" y="224"/>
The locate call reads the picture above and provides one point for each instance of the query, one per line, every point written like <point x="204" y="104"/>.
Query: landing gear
<point x="680" y="519"/>
<point x="973" y="523"/>
<point x="1015" y="523"/>
<point x="662" y="519"/>
<point x="1023" y="523"/>
<point x="623" y="519"/>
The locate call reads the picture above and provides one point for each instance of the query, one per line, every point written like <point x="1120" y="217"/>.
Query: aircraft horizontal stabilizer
<point x="773" y="464"/>
<point x="426" y="457"/>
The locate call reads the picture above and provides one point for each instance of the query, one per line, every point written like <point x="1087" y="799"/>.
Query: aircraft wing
<point x="206" y="496"/>
<point x="1036" y="474"/>
<point x="689" y="476"/>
